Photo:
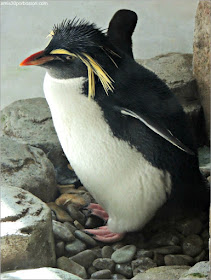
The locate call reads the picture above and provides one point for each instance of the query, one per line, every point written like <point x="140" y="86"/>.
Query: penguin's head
<point x="78" y="49"/>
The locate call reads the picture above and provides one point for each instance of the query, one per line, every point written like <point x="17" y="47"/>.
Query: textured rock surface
<point x="39" y="274"/>
<point x="202" y="56"/>
<point x="27" y="167"/>
<point x="26" y="231"/>
<point x="200" y="271"/>
<point x="175" y="69"/>
<point x="30" y="121"/>
<point x="162" y="272"/>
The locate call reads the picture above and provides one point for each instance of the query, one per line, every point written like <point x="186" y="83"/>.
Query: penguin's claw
<point x="98" y="211"/>
<point x="103" y="234"/>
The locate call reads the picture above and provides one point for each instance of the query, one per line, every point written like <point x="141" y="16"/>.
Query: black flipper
<point x="121" y="28"/>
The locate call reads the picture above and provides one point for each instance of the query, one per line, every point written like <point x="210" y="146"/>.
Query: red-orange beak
<point x="36" y="59"/>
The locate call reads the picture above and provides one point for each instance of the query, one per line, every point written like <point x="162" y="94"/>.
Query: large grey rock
<point x="39" y="274"/>
<point x="29" y="121"/>
<point x="162" y="272"/>
<point x="200" y="271"/>
<point x="202" y="56"/>
<point x="27" y="167"/>
<point x="175" y="69"/>
<point x="26" y="231"/>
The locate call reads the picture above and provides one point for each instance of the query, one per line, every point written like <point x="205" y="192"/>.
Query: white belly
<point x="128" y="187"/>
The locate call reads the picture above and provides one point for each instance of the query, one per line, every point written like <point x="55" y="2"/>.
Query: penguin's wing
<point x="157" y="128"/>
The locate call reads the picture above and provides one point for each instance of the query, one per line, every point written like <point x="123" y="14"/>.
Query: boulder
<point x="39" y="274"/>
<point x="26" y="231"/>
<point x="200" y="271"/>
<point x="28" y="168"/>
<point x="175" y="69"/>
<point x="29" y="121"/>
<point x="202" y="56"/>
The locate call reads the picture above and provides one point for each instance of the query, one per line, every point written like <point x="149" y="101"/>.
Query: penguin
<point x="123" y="131"/>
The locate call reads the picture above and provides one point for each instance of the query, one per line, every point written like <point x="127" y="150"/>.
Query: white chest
<point x="118" y="177"/>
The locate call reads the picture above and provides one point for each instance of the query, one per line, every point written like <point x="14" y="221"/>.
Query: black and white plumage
<point x="129" y="142"/>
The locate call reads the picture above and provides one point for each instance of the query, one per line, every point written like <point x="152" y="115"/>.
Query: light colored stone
<point x="200" y="271"/>
<point x="71" y="267"/>
<point x="175" y="69"/>
<point x="202" y="55"/>
<point x="26" y="231"/>
<point x="29" y="121"/>
<point x="27" y="167"/>
<point x="43" y="273"/>
<point x="124" y="254"/>
<point x="162" y="272"/>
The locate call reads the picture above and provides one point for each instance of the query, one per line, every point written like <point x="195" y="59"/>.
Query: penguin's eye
<point x="70" y="57"/>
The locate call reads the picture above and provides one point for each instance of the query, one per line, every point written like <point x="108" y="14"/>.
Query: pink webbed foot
<point x="98" y="211"/>
<point x="103" y="234"/>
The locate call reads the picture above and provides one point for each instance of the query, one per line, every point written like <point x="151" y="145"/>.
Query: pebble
<point x="91" y="270"/>
<point x="124" y="254"/>
<point x="107" y="251"/>
<point x="200" y="257"/>
<point x="84" y="258"/>
<point x="78" y="225"/>
<point x="192" y="245"/>
<point x="61" y="232"/>
<point x="72" y="267"/>
<point x="158" y="259"/>
<point x="124" y="269"/>
<point x="117" y="276"/>
<point x="59" y="249"/>
<point x="142" y="264"/>
<point x="164" y="239"/>
<point x="85" y="238"/>
<point x="76" y="214"/>
<point x="178" y="260"/>
<point x="97" y="251"/>
<point x="189" y="226"/>
<point x="168" y="250"/>
<point x="61" y="215"/>
<point x="104" y="263"/>
<point x="145" y="253"/>
<point x="101" y="274"/>
<point x="53" y="215"/>
<point x="70" y="226"/>
<point x="75" y="247"/>
<point x="94" y="222"/>
<point x="65" y="188"/>
<point x="67" y="198"/>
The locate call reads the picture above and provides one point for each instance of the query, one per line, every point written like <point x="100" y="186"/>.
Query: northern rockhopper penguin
<point x="123" y="131"/>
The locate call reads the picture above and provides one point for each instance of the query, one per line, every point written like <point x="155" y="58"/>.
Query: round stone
<point x="124" y="269"/>
<point x="117" y="276"/>
<point x="192" y="245"/>
<point x="75" y="247"/>
<point x="107" y="251"/>
<point x="85" y="238"/>
<point x="178" y="260"/>
<point x="101" y="274"/>
<point x="104" y="263"/>
<point x="124" y="254"/>
<point x="61" y="232"/>
<point x="84" y="258"/>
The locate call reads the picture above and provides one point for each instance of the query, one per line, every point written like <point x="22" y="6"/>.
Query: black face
<point x="65" y="67"/>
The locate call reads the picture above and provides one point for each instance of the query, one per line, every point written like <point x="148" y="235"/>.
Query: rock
<point x="59" y="249"/>
<point x="84" y="258"/>
<point x="26" y="228"/>
<point x="175" y="69"/>
<point x="94" y="222"/>
<point x="117" y="276"/>
<point x="68" y="198"/>
<point x="162" y="272"/>
<point x="144" y="253"/>
<point x="201" y="56"/>
<point x="164" y="239"/>
<point x="107" y="251"/>
<point x="70" y="226"/>
<point x="104" y="263"/>
<point x="124" y="269"/>
<point x="178" y="260"/>
<point x="43" y="273"/>
<point x="142" y="264"/>
<point x="200" y="271"/>
<point x="29" y="121"/>
<point x="28" y="168"/>
<point x="101" y="274"/>
<point x="168" y="250"/>
<point x="97" y="251"/>
<point x="200" y="257"/>
<point x="158" y="259"/>
<point x="61" y="215"/>
<point x="192" y="245"/>
<point x="85" y="238"/>
<point x="61" y="232"/>
<point x="189" y="226"/>
<point x="78" y="225"/>
<point x="91" y="270"/>
<point x="75" y="214"/>
<point x="75" y="247"/>
<point x="71" y="267"/>
<point x="124" y="254"/>
<point x="204" y="160"/>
